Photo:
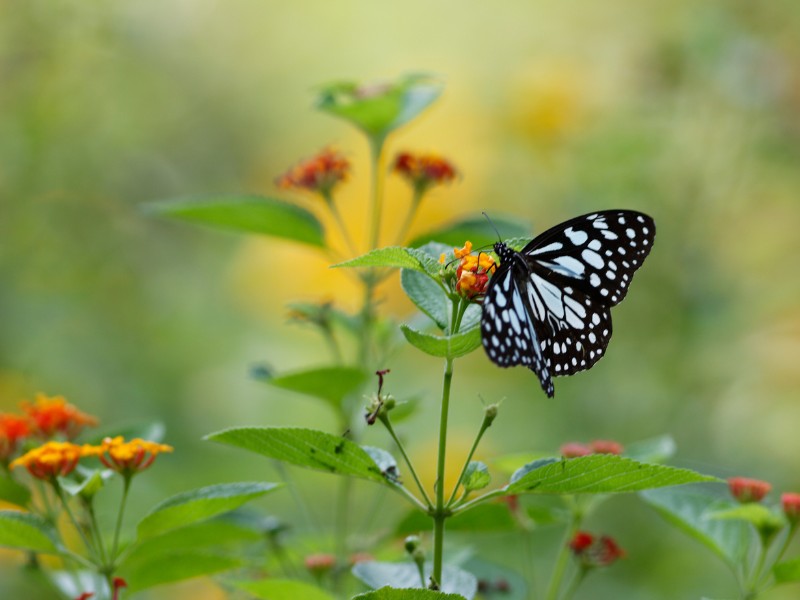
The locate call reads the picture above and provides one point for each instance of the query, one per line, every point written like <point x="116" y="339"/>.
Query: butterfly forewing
<point x="548" y="306"/>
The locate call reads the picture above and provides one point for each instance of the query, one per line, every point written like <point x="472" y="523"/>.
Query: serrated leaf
<point x="26" y="531"/>
<point x="689" y="510"/>
<point x="427" y="296"/>
<point x="475" y="229"/>
<point x="248" y="214"/>
<point x="13" y="492"/>
<point x="597" y="474"/>
<point x="757" y="514"/>
<point x="282" y="589"/>
<point x="476" y="476"/>
<point x="387" y="593"/>
<point x="653" y="450"/>
<point x="405" y="575"/>
<point x="385" y="461"/>
<point x="199" y="505"/>
<point x="484" y="517"/>
<point x="787" y="572"/>
<point x="394" y="257"/>
<point x="453" y="346"/>
<point x="380" y="108"/>
<point x="305" y="448"/>
<point x="168" y="567"/>
<point x="331" y="384"/>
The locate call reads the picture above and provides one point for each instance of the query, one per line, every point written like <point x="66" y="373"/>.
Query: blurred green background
<point x="689" y="111"/>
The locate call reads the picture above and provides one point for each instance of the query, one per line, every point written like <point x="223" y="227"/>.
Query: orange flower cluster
<point x="126" y="457"/>
<point x="424" y="170"/>
<point x="51" y="460"/>
<point x="52" y="416"/>
<point x="13" y="429"/>
<point x="575" y="449"/>
<point x="595" y="552"/>
<point x="472" y="274"/>
<point x="320" y="173"/>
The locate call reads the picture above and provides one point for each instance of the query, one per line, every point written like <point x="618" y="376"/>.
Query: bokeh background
<point x="687" y="110"/>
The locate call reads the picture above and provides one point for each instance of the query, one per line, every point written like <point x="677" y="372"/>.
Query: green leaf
<point x="787" y="572"/>
<point x="331" y="384"/>
<point x="484" y="517"/>
<point x="757" y="514"/>
<point x="380" y="108"/>
<point x="305" y="448"/>
<point x="690" y="510"/>
<point x="93" y="481"/>
<point x="388" y="593"/>
<point x="597" y="474"/>
<point x="385" y="461"/>
<point x="199" y="505"/>
<point x="13" y="492"/>
<point x="653" y="450"/>
<point x="168" y="567"/>
<point x="427" y="296"/>
<point x="248" y="214"/>
<point x="453" y="346"/>
<point x="476" y="476"/>
<point x="475" y="229"/>
<point x="405" y="575"/>
<point x="395" y="257"/>
<point x="26" y="531"/>
<point x="282" y="589"/>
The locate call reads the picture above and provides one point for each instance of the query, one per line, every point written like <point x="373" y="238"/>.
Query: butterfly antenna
<point x="499" y="239"/>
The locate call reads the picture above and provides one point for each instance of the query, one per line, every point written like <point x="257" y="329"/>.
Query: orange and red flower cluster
<point x="423" y="171"/>
<point x="575" y="449"/>
<point x="595" y="552"/>
<point x="472" y="274"/>
<point x="126" y="457"/>
<point x="747" y="490"/>
<point x="320" y="173"/>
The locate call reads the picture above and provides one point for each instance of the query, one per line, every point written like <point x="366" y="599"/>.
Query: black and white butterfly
<point x="548" y="306"/>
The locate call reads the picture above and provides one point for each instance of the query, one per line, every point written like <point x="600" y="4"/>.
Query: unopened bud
<point x="412" y="543"/>
<point x="490" y="414"/>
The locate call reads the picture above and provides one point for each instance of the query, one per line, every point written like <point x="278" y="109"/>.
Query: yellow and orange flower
<point x="472" y="275"/>
<point x="13" y="428"/>
<point x="424" y="170"/>
<point x="50" y="416"/>
<point x="126" y="457"/>
<point x="51" y="459"/>
<point x="320" y="173"/>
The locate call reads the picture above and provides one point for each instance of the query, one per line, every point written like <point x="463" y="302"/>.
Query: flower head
<point x="747" y="490"/>
<point x="319" y="564"/>
<point x="319" y="174"/>
<point x="595" y="552"/>
<point x="472" y="273"/>
<point x="605" y="447"/>
<point x="50" y="460"/>
<point x="791" y="506"/>
<point x="13" y="428"/>
<point x="126" y="457"/>
<point x="574" y="450"/>
<point x="424" y="171"/>
<point x="50" y="416"/>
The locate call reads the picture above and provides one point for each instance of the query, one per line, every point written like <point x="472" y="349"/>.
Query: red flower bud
<point x="746" y="490"/>
<point x="791" y="506"/>
<point x="574" y="449"/>
<point x="606" y="447"/>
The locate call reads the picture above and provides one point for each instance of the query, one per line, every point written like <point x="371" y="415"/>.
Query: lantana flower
<point x="13" y="428"/>
<point x="747" y="490"/>
<point x="320" y="173"/>
<point x="595" y="552"/>
<point x="576" y="449"/>
<point x="52" y="416"/>
<point x="790" y="502"/>
<point x="51" y="460"/>
<point x="605" y="447"/>
<point x="472" y="273"/>
<point x="129" y="457"/>
<point x="423" y="171"/>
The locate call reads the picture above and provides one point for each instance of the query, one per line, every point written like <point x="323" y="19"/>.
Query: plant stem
<point x="126" y="485"/>
<point x="297" y="497"/>
<point x="784" y="546"/>
<point x="573" y="584"/>
<point x="386" y="423"/>
<point x="376" y="156"/>
<point x="484" y="426"/>
<point x="562" y="561"/>
<point x="440" y="514"/>
<point x="72" y="518"/>
<point x="96" y="531"/>
<point x="351" y="247"/>
<point x="412" y="211"/>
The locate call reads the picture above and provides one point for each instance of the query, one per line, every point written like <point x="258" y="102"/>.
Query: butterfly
<point x="548" y="307"/>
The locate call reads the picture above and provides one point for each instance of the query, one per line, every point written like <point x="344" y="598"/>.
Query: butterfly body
<point x="547" y="307"/>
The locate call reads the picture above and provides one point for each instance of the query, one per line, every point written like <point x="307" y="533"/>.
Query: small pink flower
<point x="790" y="502"/>
<point x="595" y="552"/>
<point x="574" y="450"/>
<point x="319" y="564"/>
<point x="605" y="447"/>
<point x="747" y="490"/>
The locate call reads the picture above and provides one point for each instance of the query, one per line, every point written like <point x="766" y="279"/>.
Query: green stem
<point x="577" y="579"/>
<point x="784" y="546"/>
<point x="297" y="497"/>
<point x="386" y="423"/>
<point x="459" y="508"/>
<point x="562" y="561"/>
<point x="126" y="483"/>
<point x="376" y="156"/>
<point x="484" y="426"/>
<point x="440" y="514"/>
<point x="351" y="247"/>
<point x="96" y="532"/>
<point x="412" y="211"/>
<point x="72" y="518"/>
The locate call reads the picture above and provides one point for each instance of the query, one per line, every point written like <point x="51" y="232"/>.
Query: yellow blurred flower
<point x="51" y="459"/>
<point x="126" y="457"/>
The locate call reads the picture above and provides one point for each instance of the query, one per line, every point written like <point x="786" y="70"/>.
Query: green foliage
<point x="331" y="384"/>
<point x="388" y="593"/>
<point x="475" y="229"/>
<point x="758" y="515"/>
<point x="305" y="448"/>
<point x="597" y="474"/>
<point x="654" y="450"/>
<point x="690" y="509"/>
<point x="453" y="346"/>
<point x="406" y="575"/>
<point x="428" y="296"/>
<point x="159" y="568"/>
<point x="380" y="108"/>
<point x="93" y="481"/>
<point x="247" y="214"/>
<point x="282" y="589"/>
<point x="198" y="505"/>
<point x="787" y="572"/>
<point x="13" y="492"/>
<point x="476" y="476"/>
<point x="395" y="257"/>
<point x="26" y="531"/>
